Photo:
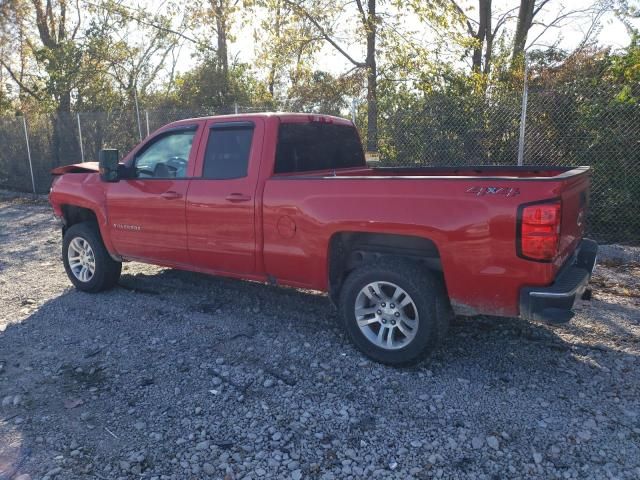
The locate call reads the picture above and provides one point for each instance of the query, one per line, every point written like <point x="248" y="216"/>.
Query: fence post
<point x="235" y="107"/>
<point x="523" y="113"/>
<point x="146" y="117"/>
<point x="80" y="137"/>
<point x="26" y="137"/>
<point x="135" y="97"/>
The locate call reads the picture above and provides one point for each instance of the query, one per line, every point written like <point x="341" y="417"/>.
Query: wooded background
<point x="427" y="82"/>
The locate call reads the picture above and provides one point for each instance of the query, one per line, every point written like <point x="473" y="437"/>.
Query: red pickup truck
<point x="288" y="199"/>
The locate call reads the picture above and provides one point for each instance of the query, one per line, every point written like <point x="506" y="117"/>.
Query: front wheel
<point x="394" y="311"/>
<point x="86" y="260"/>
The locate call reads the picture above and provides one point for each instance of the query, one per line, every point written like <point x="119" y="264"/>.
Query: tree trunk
<point x="372" y="80"/>
<point x="488" y="38"/>
<point x="483" y="34"/>
<point x="273" y="66"/>
<point x="525" y="19"/>
<point x="488" y="56"/>
<point x="221" y="30"/>
<point x="64" y="102"/>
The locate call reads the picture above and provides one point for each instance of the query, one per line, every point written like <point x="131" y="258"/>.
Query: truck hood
<point x="86" y="167"/>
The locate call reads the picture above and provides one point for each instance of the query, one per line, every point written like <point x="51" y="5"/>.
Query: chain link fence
<point x="562" y="126"/>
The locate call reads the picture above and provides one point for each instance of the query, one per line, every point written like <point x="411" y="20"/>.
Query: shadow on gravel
<point x="126" y="370"/>
<point x="607" y="314"/>
<point x="173" y="281"/>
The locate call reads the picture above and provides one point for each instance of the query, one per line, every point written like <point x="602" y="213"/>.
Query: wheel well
<point x="73" y="214"/>
<point x="349" y="250"/>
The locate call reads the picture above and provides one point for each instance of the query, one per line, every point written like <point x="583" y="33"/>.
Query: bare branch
<point x="466" y="17"/>
<point x="324" y="33"/>
<point x="590" y="31"/>
<point x="41" y="23"/>
<point x="77" y="27"/>
<point x="142" y="21"/>
<point x="18" y="81"/>
<point x="506" y="16"/>
<point x="539" y="7"/>
<point x="556" y="21"/>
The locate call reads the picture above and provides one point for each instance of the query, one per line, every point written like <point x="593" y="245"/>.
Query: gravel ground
<point x="175" y="375"/>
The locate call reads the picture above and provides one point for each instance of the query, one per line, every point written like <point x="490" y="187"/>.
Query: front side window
<point x="166" y="157"/>
<point x="227" y="154"/>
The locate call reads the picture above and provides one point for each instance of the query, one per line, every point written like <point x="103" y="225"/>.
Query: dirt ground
<point x="175" y="375"/>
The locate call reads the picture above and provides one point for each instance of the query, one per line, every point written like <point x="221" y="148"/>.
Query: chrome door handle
<point x="171" y="195"/>
<point x="238" y="197"/>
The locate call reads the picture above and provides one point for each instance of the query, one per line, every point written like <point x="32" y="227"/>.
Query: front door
<point x="147" y="212"/>
<point x="221" y="204"/>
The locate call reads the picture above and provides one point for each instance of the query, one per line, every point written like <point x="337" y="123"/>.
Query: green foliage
<point x="6" y="105"/>
<point x="448" y="120"/>
<point x="207" y="87"/>
<point x="321" y="92"/>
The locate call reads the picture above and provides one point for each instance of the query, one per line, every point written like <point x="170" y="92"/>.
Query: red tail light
<point x="539" y="231"/>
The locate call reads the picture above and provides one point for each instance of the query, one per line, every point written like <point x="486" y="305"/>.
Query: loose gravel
<point x="175" y="375"/>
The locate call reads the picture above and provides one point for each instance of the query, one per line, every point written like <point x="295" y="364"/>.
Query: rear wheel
<point x="86" y="260"/>
<point x="394" y="311"/>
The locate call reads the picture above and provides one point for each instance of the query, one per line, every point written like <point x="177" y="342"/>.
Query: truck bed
<point x="470" y="213"/>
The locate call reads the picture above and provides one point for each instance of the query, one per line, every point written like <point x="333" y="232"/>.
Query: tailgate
<point x="575" y="201"/>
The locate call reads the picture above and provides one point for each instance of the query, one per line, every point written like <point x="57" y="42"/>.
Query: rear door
<point x="147" y="212"/>
<point x="221" y="202"/>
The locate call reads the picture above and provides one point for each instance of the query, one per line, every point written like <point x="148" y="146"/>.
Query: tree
<point x="219" y="16"/>
<point x="481" y="33"/>
<point x="52" y="44"/>
<point x="488" y="25"/>
<point x="221" y="11"/>
<point x="203" y="88"/>
<point x="288" y="44"/>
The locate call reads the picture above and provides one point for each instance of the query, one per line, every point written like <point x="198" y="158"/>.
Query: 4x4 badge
<point x="506" y="191"/>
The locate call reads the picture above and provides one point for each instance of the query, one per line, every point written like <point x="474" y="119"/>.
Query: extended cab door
<point x="147" y="212"/>
<point x="221" y="203"/>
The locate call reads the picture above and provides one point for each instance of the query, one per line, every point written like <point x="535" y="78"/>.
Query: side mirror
<point x="108" y="164"/>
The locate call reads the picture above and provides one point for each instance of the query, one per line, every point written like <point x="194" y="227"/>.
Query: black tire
<point x="429" y="297"/>
<point x="107" y="270"/>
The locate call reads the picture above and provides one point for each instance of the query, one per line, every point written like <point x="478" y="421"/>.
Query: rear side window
<point x="303" y="147"/>
<point x="227" y="154"/>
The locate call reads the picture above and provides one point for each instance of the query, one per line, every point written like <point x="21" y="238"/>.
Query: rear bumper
<point x="554" y="303"/>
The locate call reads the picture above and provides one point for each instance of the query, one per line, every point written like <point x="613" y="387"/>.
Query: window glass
<point x="303" y="147"/>
<point x="227" y="154"/>
<point x="166" y="157"/>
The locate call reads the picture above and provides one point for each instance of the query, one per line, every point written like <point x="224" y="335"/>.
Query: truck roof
<point x="285" y="117"/>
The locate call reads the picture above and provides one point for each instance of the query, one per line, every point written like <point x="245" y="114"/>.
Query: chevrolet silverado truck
<point x="288" y="199"/>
